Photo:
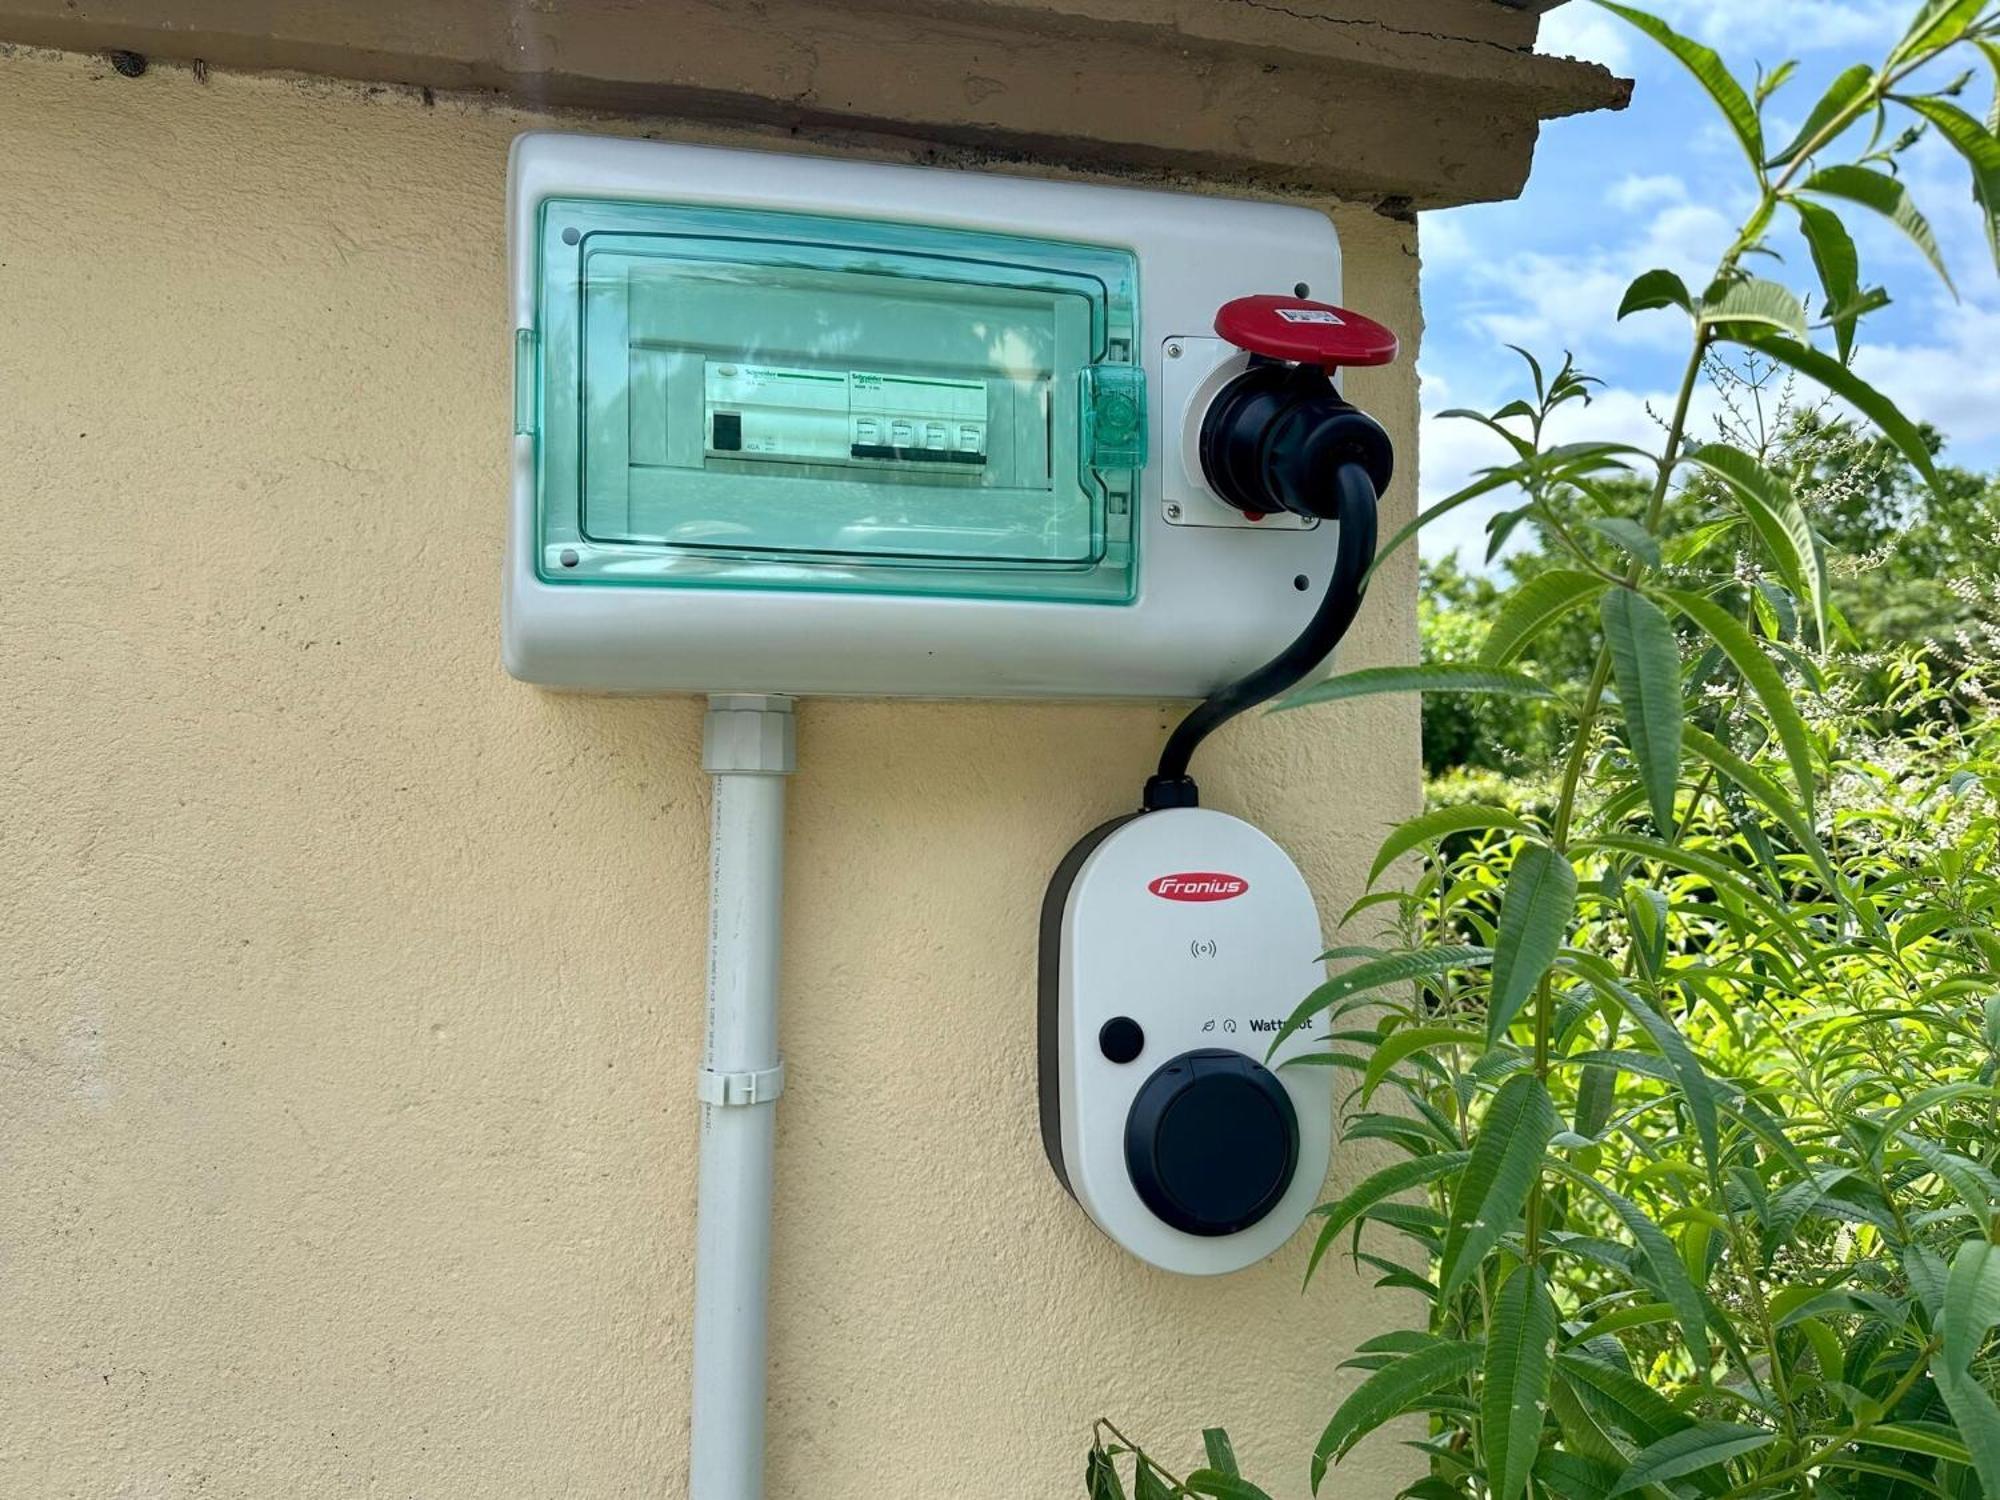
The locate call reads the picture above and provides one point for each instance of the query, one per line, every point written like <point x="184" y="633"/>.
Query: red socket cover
<point x="1305" y="333"/>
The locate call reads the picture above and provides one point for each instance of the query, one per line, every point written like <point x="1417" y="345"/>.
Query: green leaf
<point x="1515" y="1389"/>
<point x="1928" y="1438"/>
<point x="1100" y="1477"/>
<point x="1648" y="668"/>
<point x="1710" y="71"/>
<point x="1887" y="196"/>
<point x="1221" y="1455"/>
<point x="1922" y="1102"/>
<point x="1980" y="146"/>
<point x="1766" y="791"/>
<point x="1838" y="264"/>
<point x="1640" y="1315"/>
<point x="1938" y="25"/>
<point x="1653" y="290"/>
<point x="1506" y="1161"/>
<point x="1223" y="1486"/>
<point x="1842" y="95"/>
<point x="1679" y="1454"/>
<point x="1397" y="968"/>
<point x="1397" y="1178"/>
<point x="1973" y="1183"/>
<point x="1430" y="678"/>
<point x="1778" y="519"/>
<point x="1488" y="481"/>
<point x="1765" y="681"/>
<point x="1670" y="1274"/>
<point x="1992" y="51"/>
<point x="1630" y="1405"/>
<point x="1532" y="608"/>
<point x="1725" y="876"/>
<point x="1147" y="1483"/>
<point x="1399" y="1045"/>
<point x="1571" y="1476"/>
<point x="1635" y="540"/>
<point x="1535" y="913"/>
<point x="1971" y="1308"/>
<point x="1856" y="392"/>
<point x="1686" y="546"/>
<point x="1388" y="1393"/>
<point x="1748" y="299"/>
<point x="1978" y="1418"/>
<point x="1440" y="824"/>
<point x="1596" y="1092"/>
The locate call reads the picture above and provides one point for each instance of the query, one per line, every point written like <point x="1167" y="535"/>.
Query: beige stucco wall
<point x="350" y="991"/>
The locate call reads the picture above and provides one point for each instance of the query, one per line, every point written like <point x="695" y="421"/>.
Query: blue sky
<point x="1663" y="184"/>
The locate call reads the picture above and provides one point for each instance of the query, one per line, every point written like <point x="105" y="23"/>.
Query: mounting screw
<point x="1173" y="351"/>
<point x="568" y="557"/>
<point x="1173" y="511"/>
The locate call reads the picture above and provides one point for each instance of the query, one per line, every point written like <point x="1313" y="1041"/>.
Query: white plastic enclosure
<point x="1177" y="935"/>
<point x="1210" y="595"/>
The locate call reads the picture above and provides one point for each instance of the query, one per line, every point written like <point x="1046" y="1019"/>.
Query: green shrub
<point x="1691" y="1122"/>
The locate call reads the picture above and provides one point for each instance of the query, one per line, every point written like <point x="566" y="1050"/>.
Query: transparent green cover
<point x="732" y="398"/>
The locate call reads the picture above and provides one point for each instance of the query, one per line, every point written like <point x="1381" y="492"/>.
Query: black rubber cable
<point x="1354" y="554"/>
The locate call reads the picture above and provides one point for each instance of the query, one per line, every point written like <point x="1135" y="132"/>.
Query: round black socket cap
<point x="1212" y="1142"/>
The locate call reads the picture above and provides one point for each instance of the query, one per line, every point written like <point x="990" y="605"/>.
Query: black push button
<point x="1212" y="1142"/>
<point x="1121" y="1039"/>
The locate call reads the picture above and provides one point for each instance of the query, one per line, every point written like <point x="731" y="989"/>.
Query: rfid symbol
<point x="1198" y="949"/>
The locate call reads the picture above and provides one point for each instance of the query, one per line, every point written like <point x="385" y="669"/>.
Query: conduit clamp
<point x="731" y="1089"/>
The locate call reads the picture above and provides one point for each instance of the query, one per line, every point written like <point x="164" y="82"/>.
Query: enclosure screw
<point x="1173" y="512"/>
<point x="128" y="64"/>
<point x="568" y="558"/>
<point x="1173" y="351"/>
<point x="570" y="236"/>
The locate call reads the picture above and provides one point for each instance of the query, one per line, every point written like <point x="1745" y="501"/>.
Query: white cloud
<point x="1579" y="29"/>
<point x="1952" y="383"/>
<point x="1582" y="30"/>
<point x="1554" y="302"/>
<point x="1802" y="25"/>
<point x="1638" y="192"/>
<point x="1446" y="242"/>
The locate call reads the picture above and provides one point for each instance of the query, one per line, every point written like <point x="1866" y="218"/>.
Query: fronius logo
<point x="1199" y="886"/>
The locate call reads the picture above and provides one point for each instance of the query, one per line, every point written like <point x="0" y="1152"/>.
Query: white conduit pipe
<point x="748" y="747"/>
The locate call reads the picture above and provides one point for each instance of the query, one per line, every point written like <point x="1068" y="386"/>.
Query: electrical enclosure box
<point x="795" y="425"/>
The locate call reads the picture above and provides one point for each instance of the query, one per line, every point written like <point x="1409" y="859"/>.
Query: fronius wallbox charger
<point x="1174" y="944"/>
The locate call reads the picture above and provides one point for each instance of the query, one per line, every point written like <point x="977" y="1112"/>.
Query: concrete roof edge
<point x="1405" y="103"/>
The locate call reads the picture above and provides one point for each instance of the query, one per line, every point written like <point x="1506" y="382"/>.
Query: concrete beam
<point x="1404" y="103"/>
